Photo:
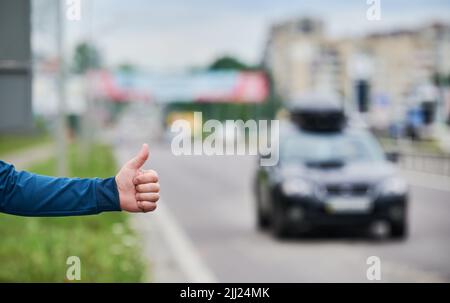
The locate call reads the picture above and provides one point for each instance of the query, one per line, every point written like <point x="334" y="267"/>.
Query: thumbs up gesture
<point x="138" y="189"/>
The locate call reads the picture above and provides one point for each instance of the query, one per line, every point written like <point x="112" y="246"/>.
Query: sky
<point x="178" y="34"/>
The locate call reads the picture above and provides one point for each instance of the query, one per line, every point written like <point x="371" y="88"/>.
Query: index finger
<point x="146" y="177"/>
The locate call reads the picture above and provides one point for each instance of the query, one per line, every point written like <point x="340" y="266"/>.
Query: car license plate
<point x="349" y="205"/>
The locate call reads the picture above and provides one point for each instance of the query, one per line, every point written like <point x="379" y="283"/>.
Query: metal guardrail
<point x="427" y="163"/>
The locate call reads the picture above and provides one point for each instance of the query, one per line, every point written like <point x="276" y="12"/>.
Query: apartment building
<point x="392" y="70"/>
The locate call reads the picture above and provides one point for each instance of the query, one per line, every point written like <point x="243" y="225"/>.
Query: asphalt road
<point x="211" y="198"/>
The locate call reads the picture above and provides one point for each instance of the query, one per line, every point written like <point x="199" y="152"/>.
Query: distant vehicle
<point x="330" y="174"/>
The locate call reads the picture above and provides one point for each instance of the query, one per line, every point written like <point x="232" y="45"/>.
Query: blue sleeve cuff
<point x="107" y="195"/>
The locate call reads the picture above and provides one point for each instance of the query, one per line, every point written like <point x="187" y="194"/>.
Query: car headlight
<point x="297" y="187"/>
<point x="393" y="187"/>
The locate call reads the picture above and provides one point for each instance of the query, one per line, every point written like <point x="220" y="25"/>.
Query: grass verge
<point x="36" y="249"/>
<point x="15" y="143"/>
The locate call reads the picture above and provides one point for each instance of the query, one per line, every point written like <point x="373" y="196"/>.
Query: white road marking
<point x="182" y="247"/>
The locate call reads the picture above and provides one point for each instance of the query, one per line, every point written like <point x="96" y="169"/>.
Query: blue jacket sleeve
<point x="26" y="194"/>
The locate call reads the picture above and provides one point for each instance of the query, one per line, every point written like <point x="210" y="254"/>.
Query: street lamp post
<point x="61" y="91"/>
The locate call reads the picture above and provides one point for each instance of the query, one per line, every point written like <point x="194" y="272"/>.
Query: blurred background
<point x="84" y="83"/>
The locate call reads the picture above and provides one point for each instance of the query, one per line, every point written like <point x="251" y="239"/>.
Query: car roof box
<point x="318" y="116"/>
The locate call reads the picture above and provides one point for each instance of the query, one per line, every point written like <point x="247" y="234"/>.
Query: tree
<point x="86" y="57"/>
<point x="229" y="63"/>
<point x="127" y="68"/>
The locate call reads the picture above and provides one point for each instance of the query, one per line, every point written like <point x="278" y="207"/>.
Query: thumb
<point x="138" y="161"/>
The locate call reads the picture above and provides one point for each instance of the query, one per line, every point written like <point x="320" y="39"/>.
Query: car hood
<point x="367" y="172"/>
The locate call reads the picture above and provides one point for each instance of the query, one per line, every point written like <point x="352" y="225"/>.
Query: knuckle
<point x="151" y="197"/>
<point x="149" y="206"/>
<point x="148" y="178"/>
<point x="157" y="188"/>
<point x="152" y="175"/>
<point x="153" y="172"/>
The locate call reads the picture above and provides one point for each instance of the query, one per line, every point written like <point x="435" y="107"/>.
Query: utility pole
<point x="61" y="92"/>
<point x="88" y="126"/>
<point x="440" y="108"/>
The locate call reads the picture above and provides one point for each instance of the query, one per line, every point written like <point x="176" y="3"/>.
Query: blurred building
<point x="404" y="64"/>
<point x="382" y="74"/>
<point x="15" y="66"/>
<point x="300" y="58"/>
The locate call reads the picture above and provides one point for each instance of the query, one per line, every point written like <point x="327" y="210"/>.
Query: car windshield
<point x="335" y="147"/>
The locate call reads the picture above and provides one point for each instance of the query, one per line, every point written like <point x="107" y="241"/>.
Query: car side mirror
<point x="393" y="157"/>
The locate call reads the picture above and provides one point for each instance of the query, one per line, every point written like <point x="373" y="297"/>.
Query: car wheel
<point x="279" y="226"/>
<point x="399" y="230"/>
<point x="262" y="222"/>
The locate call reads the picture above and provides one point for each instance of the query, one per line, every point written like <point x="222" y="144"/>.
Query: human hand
<point x="138" y="189"/>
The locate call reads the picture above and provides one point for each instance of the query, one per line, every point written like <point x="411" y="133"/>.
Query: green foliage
<point x="441" y="79"/>
<point x="15" y="143"/>
<point x="127" y="68"/>
<point x="228" y="63"/>
<point x="86" y="57"/>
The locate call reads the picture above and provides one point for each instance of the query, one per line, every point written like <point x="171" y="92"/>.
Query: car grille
<point x="347" y="189"/>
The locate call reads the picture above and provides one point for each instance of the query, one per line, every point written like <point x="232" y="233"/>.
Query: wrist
<point x="108" y="196"/>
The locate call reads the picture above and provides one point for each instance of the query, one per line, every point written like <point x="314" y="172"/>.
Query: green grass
<point x="36" y="249"/>
<point x="14" y="143"/>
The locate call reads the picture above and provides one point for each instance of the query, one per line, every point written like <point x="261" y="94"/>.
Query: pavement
<point x="27" y="157"/>
<point x="204" y="229"/>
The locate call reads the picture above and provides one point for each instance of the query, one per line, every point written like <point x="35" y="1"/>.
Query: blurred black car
<point x="330" y="174"/>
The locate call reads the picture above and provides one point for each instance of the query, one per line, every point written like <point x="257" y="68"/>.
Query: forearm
<point x="26" y="194"/>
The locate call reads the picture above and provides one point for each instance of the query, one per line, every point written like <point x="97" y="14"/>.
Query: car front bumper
<point x="307" y="212"/>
